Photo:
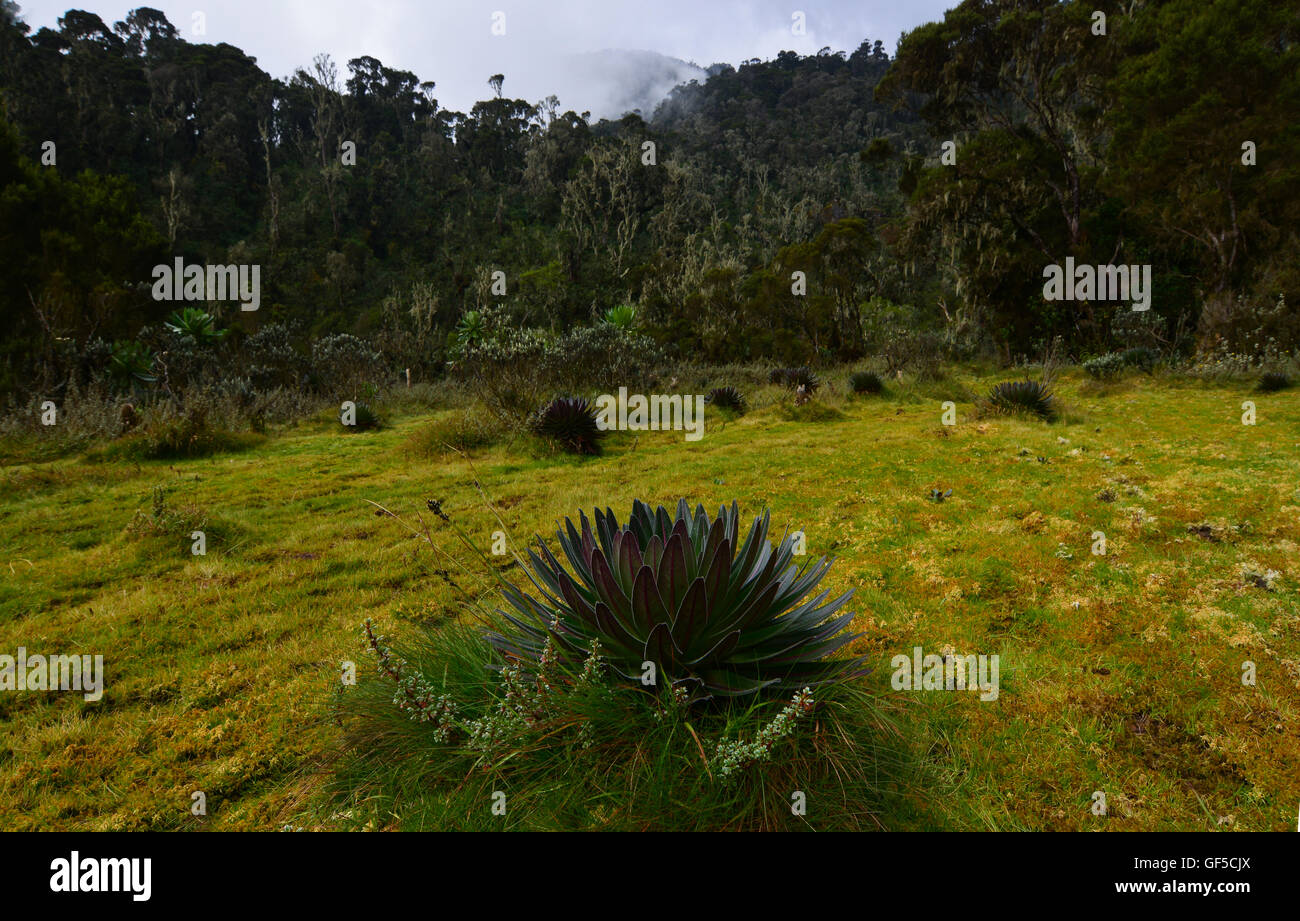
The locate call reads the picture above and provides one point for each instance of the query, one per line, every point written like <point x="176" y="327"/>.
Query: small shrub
<point x="1143" y="359"/>
<point x="458" y="430"/>
<point x="1105" y="367"/>
<point x="182" y="361"/>
<point x="168" y="434"/>
<point x="906" y="342"/>
<point x="272" y="360"/>
<point x="603" y="357"/>
<point x="1253" y="328"/>
<point x="343" y="364"/>
<point x="506" y="372"/>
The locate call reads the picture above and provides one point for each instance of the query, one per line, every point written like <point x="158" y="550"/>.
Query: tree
<point x="1015" y="85"/>
<point x="1197" y="81"/>
<point x="601" y="207"/>
<point x="838" y="264"/>
<point x="77" y="258"/>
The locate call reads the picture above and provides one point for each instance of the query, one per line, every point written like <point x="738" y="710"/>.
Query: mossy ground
<point x="1120" y="673"/>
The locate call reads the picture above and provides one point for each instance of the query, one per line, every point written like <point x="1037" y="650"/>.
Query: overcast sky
<point x="451" y="43"/>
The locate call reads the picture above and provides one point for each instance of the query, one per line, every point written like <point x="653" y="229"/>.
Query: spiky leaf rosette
<point x="718" y="617"/>
<point x="130" y="362"/>
<point x="727" y="398"/>
<point x="1273" y="381"/>
<point x="572" y="422"/>
<point x="364" y="418"/>
<point x="1023" y="396"/>
<point x="197" y="323"/>
<point x="866" y="382"/>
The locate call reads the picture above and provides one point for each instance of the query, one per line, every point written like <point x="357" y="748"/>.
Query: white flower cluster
<point x="420" y="703"/>
<point x="414" y="697"/>
<point x="732" y="756"/>
<point x="516" y="711"/>
<point x="592" y="669"/>
<point x="591" y="676"/>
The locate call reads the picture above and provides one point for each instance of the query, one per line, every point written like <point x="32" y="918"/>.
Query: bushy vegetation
<point x="1112" y="365"/>
<point x="1105" y="367"/>
<point x="458" y="430"/>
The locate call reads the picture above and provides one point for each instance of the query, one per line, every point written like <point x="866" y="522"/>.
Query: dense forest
<point x="921" y="196"/>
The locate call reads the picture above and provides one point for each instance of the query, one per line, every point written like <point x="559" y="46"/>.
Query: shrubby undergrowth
<point x="183" y="389"/>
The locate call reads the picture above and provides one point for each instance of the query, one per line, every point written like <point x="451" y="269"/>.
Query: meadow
<point x="1120" y="673"/>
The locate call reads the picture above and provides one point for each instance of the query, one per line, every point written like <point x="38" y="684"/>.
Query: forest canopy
<point x="920" y="195"/>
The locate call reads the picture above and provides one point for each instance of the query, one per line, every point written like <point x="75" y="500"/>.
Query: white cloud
<point x="450" y="42"/>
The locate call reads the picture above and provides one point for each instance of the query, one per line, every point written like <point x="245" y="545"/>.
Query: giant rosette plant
<point x="717" y="616"/>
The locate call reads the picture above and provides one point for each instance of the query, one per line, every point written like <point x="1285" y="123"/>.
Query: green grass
<point x="598" y="754"/>
<point x="1118" y="673"/>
